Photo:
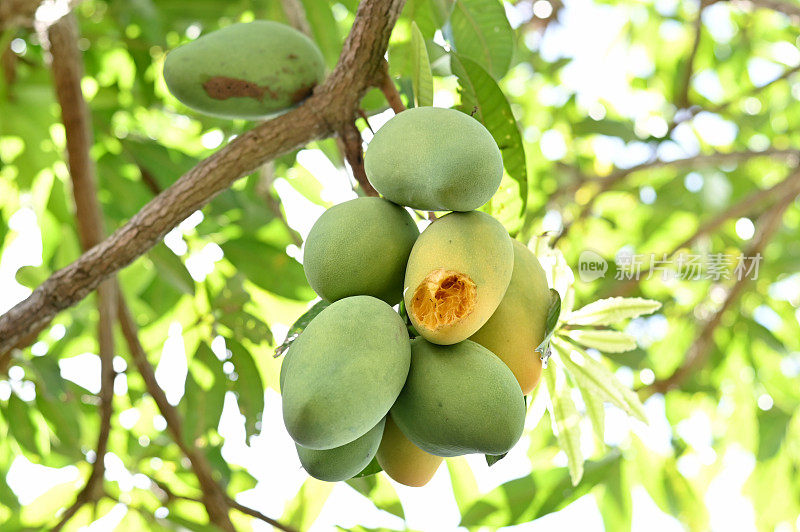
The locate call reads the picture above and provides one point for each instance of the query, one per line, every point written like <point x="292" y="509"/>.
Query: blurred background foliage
<point x="625" y="126"/>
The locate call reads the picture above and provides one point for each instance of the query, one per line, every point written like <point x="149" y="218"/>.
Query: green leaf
<point x="465" y="489"/>
<point x="596" y="413"/>
<point x="553" y="312"/>
<point x="594" y="377"/>
<point x="64" y="421"/>
<point x="772" y="427"/>
<point x="605" y="341"/>
<point x="481" y="32"/>
<point x="421" y="77"/>
<point x="380" y="491"/>
<point x="372" y="468"/>
<point x="608" y="127"/>
<point x="32" y="276"/>
<point x="492" y="459"/>
<point x="566" y="421"/>
<point x="481" y="95"/>
<point x="248" y="386"/>
<point x="300" y="325"/>
<point x="611" y="310"/>
<point x="20" y="424"/>
<point x="171" y="268"/>
<point x="325" y="29"/>
<point x="615" y="503"/>
<point x="245" y="325"/>
<point x="268" y="267"/>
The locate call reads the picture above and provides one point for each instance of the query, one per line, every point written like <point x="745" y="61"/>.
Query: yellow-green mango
<point x="360" y="247"/>
<point x="247" y="70"/>
<point x="344" y="372"/>
<point x="434" y="159"/>
<point x="402" y="460"/>
<point x="459" y="399"/>
<point x="456" y="276"/>
<point x="341" y="463"/>
<point x="517" y="327"/>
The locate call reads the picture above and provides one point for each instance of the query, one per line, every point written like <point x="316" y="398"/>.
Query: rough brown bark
<point x="333" y="103"/>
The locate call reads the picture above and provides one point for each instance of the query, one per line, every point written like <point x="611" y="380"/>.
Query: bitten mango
<point x="402" y="460"/>
<point x="360" y="247"/>
<point x="344" y="372"/>
<point x="459" y="399"/>
<point x="457" y="274"/>
<point x="434" y="159"/>
<point x="341" y="463"/>
<point x="247" y="70"/>
<point x="517" y="327"/>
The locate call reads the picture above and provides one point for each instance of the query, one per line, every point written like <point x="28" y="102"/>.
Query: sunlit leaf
<point x="612" y="310"/>
<point x="481" y="32"/>
<point x="605" y="341"/>
<point x="421" y="77"/>
<point x="566" y="420"/>
<point x="300" y="324"/>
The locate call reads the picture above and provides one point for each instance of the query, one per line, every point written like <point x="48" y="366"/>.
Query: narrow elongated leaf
<point x="596" y="413"/>
<point x="465" y="488"/>
<point x="20" y="424"/>
<point x="594" y="377"/>
<point x="553" y="312"/>
<point x="566" y="421"/>
<point x="421" y="77"/>
<point x="248" y="386"/>
<point x="171" y="269"/>
<point x="303" y="510"/>
<point x="324" y="28"/>
<point x="372" y="468"/>
<point x="481" y="32"/>
<point x="481" y="95"/>
<point x="605" y="341"/>
<point x="611" y="310"/>
<point x="380" y="491"/>
<point x="300" y="325"/>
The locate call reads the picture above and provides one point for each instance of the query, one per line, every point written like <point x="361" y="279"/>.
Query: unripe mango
<point x="459" y="399"/>
<point x="248" y="70"/>
<point x="360" y="247"/>
<point x="402" y="460"/>
<point x="517" y="327"/>
<point x="341" y="463"/>
<point x="344" y="372"/>
<point x="434" y="159"/>
<point x="456" y="276"/>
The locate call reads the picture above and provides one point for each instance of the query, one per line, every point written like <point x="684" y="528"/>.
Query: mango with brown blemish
<point x="248" y="70"/>
<point x="517" y="327"/>
<point x="457" y="274"/>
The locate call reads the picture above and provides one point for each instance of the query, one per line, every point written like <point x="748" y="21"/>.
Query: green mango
<point x="344" y="372"/>
<point x="459" y="399"/>
<point x="247" y="70"/>
<point x="457" y="274"/>
<point x="341" y="463"/>
<point x="360" y="247"/>
<point x="434" y="159"/>
<point x="517" y="327"/>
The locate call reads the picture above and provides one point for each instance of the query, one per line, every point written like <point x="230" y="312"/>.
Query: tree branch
<point x="296" y="15"/>
<point x="606" y="183"/>
<point x="743" y="207"/>
<point x="67" y="66"/>
<point x="789" y="9"/>
<point x="332" y="104"/>
<point x="701" y="348"/>
<point x="682" y="97"/>
<point x="386" y="84"/>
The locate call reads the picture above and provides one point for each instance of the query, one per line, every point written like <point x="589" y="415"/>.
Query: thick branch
<point x="67" y="66"/>
<point x="682" y="97"/>
<point x="334" y="103"/>
<point x="701" y="349"/>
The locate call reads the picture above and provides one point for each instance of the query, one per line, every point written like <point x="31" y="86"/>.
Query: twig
<point x="213" y="497"/>
<point x="67" y="66"/>
<point x="389" y="90"/>
<point x="789" y="9"/>
<point x="296" y="15"/>
<point x="149" y="180"/>
<point x="682" y="97"/>
<point x="701" y="348"/>
<point x="332" y="104"/>
<point x="353" y="152"/>
<point x="266" y="176"/>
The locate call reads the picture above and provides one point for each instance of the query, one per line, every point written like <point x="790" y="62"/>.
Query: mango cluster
<point x="445" y="375"/>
